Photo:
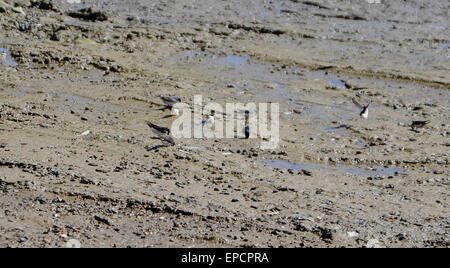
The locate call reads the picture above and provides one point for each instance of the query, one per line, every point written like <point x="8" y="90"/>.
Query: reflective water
<point x="355" y="170"/>
<point x="6" y="58"/>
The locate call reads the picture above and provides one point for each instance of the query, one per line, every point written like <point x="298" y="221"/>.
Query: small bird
<point x="167" y="140"/>
<point x="210" y="119"/>
<point x="175" y="113"/>
<point x="364" y="109"/>
<point x="162" y="133"/>
<point x="170" y="101"/>
<point x="418" y="124"/>
<point x="247" y="132"/>
<point x="3" y="58"/>
<point x="247" y="127"/>
<point x="158" y="130"/>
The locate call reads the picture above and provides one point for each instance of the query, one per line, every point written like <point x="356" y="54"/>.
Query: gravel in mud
<point x="79" y="81"/>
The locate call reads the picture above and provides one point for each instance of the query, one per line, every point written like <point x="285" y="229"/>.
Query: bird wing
<point x="167" y="139"/>
<point x="157" y="129"/>
<point x="357" y="104"/>
<point x="170" y="99"/>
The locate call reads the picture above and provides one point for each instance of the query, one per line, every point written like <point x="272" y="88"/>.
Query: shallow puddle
<point x="362" y="144"/>
<point x="283" y="164"/>
<point x="325" y="114"/>
<point x="238" y="72"/>
<point x="206" y="58"/>
<point x="361" y="170"/>
<point x="5" y="58"/>
<point x="235" y="60"/>
<point x="336" y="82"/>
<point x="340" y="130"/>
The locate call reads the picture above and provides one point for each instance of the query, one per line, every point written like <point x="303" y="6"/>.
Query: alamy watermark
<point x="236" y="120"/>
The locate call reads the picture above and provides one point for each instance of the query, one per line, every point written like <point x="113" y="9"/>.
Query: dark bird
<point x="158" y="130"/>
<point x="247" y="127"/>
<point x="168" y="140"/>
<point x="170" y="101"/>
<point x="163" y="134"/>
<point x="247" y="132"/>
<point x="418" y="124"/>
<point x="364" y="109"/>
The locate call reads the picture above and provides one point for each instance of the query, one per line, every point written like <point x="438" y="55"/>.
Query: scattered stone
<point x="300" y="217"/>
<point x="43" y="4"/>
<point x="102" y="220"/>
<point x="87" y="132"/>
<point x="88" y="14"/>
<point x="352" y="234"/>
<point x="4" y="7"/>
<point x="18" y="10"/>
<point x="374" y="243"/>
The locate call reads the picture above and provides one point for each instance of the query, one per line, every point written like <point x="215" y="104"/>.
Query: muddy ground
<point x="335" y="180"/>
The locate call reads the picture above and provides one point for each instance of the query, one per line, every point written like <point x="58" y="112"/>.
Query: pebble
<point x="374" y="243"/>
<point x="300" y="217"/>
<point x="352" y="234"/>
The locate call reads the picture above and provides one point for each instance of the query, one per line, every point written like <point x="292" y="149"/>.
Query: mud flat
<point x="79" y="81"/>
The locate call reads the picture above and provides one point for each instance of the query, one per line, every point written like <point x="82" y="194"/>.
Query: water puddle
<point x="282" y="164"/>
<point x="207" y="59"/>
<point x="442" y="27"/>
<point x="371" y="170"/>
<point x="325" y="114"/>
<point x="235" y="60"/>
<point x="341" y="130"/>
<point x="336" y="82"/>
<point x="363" y="144"/>
<point x="361" y="171"/>
<point x="5" y="58"/>
<point x="75" y="102"/>
<point x="238" y="72"/>
<point x="72" y="99"/>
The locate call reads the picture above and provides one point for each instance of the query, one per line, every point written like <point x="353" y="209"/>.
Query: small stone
<point x="102" y="220"/>
<point x="300" y="217"/>
<point x="374" y="243"/>
<point x="18" y="10"/>
<point x="4" y="6"/>
<point x="352" y="234"/>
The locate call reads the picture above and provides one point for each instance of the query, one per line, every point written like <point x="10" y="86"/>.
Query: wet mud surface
<point x="79" y="81"/>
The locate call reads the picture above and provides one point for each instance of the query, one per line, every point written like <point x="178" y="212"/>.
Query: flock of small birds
<point x="163" y="133"/>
